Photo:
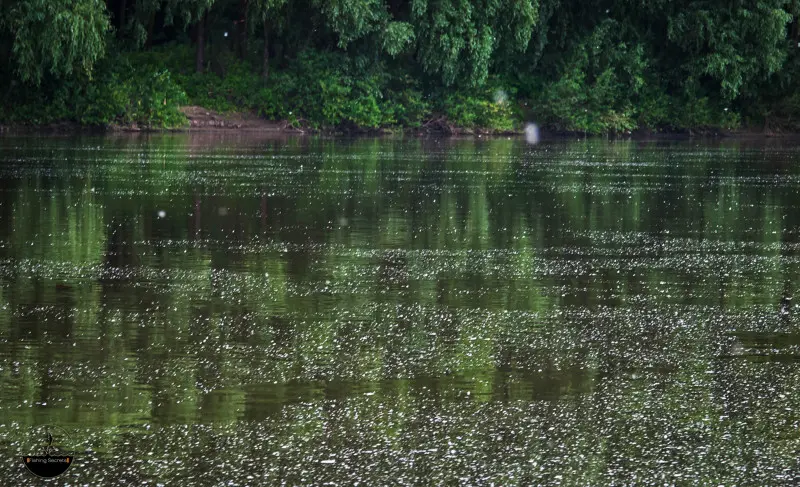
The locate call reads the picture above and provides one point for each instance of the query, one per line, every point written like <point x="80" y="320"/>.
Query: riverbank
<point x="205" y="119"/>
<point x="201" y="119"/>
<point x="325" y="72"/>
<point x="331" y="93"/>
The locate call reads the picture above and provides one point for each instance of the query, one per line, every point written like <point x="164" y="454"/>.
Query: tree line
<point x="599" y="66"/>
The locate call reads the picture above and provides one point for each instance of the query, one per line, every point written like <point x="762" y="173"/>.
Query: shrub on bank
<point x="118" y="93"/>
<point x="322" y="90"/>
<point x="337" y="91"/>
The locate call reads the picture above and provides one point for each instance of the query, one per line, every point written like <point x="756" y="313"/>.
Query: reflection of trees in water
<point x="419" y="273"/>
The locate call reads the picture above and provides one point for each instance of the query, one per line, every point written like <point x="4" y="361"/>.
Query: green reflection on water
<point x="412" y="311"/>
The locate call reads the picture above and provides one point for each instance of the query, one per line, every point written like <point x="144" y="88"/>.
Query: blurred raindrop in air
<point x="532" y="133"/>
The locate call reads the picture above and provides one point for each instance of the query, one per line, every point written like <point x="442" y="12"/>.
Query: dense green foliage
<point x="594" y="67"/>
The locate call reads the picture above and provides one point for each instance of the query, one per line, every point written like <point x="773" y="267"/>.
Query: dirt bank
<point x="203" y="118"/>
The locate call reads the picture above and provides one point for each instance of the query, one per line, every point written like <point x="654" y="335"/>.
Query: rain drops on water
<point x="452" y="281"/>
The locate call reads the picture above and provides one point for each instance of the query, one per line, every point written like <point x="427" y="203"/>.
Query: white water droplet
<point x="532" y="133"/>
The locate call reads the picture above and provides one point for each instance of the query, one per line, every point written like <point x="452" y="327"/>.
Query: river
<point x="206" y="309"/>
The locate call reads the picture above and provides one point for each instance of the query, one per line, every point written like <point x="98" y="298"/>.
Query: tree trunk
<point x="122" y="8"/>
<point x="394" y="9"/>
<point x="241" y="40"/>
<point x="265" y="67"/>
<point x="245" y="27"/>
<point x="150" y="26"/>
<point x="200" y="52"/>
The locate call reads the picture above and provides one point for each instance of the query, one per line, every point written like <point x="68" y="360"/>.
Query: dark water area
<point x="229" y="310"/>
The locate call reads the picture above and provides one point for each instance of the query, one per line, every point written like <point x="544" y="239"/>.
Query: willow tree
<point x="261" y="15"/>
<point x="458" y="38"/>
<point x="352" y="20"/>
<point x="735" y="45"/>
<point x="54" y="37"/>
<point x="193" y="12"/>
<point x="138" y="24"/>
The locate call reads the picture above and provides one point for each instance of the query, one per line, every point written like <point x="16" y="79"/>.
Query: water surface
<point x="229" y="310"/>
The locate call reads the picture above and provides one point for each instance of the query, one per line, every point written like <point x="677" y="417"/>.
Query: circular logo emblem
<point x="48" y="453"/>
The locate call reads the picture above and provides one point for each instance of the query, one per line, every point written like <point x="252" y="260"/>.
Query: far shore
<point x="200" y="119"/>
